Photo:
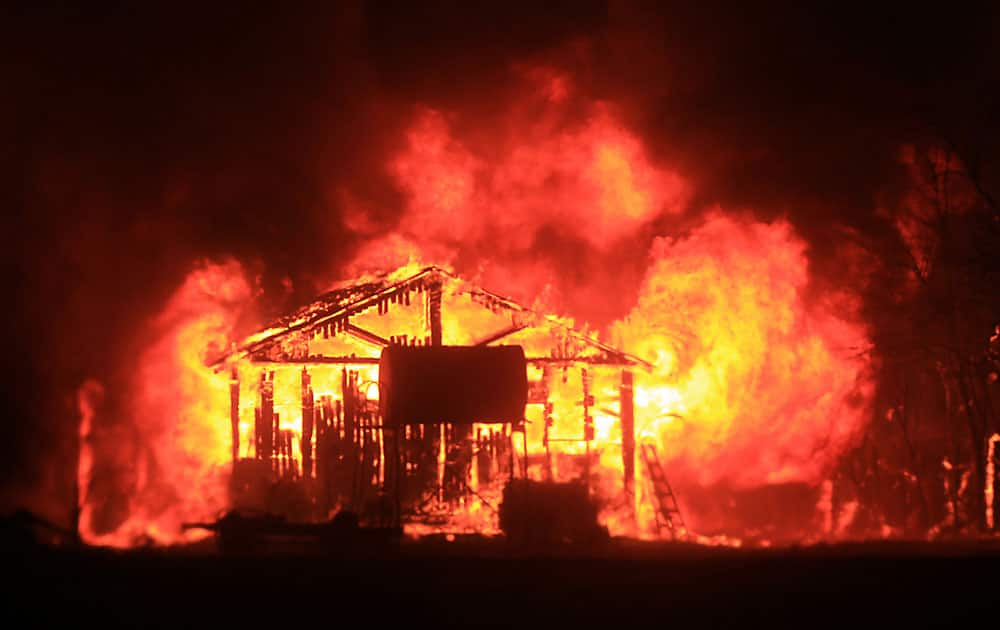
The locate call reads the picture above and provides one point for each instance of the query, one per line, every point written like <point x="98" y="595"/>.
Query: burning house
<point x="734" y="387"/>
<point x="737" y="337"/>
<point x="418" y="399"/>
<point x="539" y="300"/>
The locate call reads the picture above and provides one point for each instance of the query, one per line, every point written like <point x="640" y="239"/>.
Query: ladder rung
<point x="666" y="502"/>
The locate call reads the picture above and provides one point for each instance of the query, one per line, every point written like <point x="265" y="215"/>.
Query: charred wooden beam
<point x="258" y="434"/>
<point x="266" y="424"/>
<point x="484" y="471"/>
<point x="327" y="433"/>
<point x="428" y="279"/>
<point x="366" y="335"/>
<point x="340" y="313"/>
<point x="500" y="334"/>
<point x="627" y="396"/>
<point x="307" y="424"/>
<point x="318" y="361"/>
<point x="434" y="312"/>
<point x="234" y="413"/>
<point x="347" y="393"/>
<point x="392" y="471"/>
<point x="578" y="360"/>
<point x="277" y="443"/>
<point x="547" y="418"/>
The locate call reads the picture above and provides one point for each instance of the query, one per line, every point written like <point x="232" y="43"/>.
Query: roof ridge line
<point x="251" y="346"/>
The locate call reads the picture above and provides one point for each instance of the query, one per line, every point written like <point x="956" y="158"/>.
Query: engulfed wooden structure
<point x="308" y="437"/>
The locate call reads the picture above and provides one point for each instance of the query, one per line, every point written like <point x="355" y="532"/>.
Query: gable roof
<point x="333" y="308"/>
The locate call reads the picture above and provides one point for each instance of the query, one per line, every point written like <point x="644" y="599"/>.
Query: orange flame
<point x="754" y="382"/>
<point x="181" y="468"/>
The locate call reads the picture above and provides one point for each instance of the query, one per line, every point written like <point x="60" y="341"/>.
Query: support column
<point x="545" y="440"/>
<point x="588" y="420"/>
<point x="393" y="471"/>
<point x="627" y="398"/>
<point x="308" y="404"/>
<point x="437" y="433"/>
<point x="347" y="390"/>
<point x="265" y="440"/>
<point x="434" y="312"/>
<point x="234" y="413"/>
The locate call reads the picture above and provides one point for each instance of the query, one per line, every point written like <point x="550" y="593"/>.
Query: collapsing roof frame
<point x="333" y="309"/>
<point x="285" y="342"/>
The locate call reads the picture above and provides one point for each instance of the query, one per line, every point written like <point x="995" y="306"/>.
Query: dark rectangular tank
<point x="456" y="384"/>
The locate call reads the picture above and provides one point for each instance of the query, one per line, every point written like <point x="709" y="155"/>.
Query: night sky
<point x="140" y="137"/>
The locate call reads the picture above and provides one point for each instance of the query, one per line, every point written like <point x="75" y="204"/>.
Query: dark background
<point x="137" y="138"/>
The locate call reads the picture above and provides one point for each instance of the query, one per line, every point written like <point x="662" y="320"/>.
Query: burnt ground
<point x="466" y="583"/>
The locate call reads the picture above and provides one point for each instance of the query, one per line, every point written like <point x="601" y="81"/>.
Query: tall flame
<point x="756" y="380"/>
<point x="754" y="384"/>
<point x="181" y="463"/>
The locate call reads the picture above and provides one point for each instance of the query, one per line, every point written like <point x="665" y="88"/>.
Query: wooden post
<point x="524" y="439"/>
<point x="278" y="443"/>
<point x="434" y="442"/>
<point x="258" y="434"/>
<point x="627" y="399"/>
<point x="326" y="430"/>
<point x="347" y="395"/>
<point x="545" y="439"/>
<point x="434" y="312"/>
<point x="308" y="404"/>
<point x="509" y="445"/>
<point x="266" y="417"/>
<point x="234" y="413"/>
<point x="393" y="471"/>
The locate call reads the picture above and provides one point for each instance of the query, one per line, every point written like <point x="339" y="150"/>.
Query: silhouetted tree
<point x="935" y="306"/>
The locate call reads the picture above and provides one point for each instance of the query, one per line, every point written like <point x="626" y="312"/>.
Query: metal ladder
<point x="663" y="494"/>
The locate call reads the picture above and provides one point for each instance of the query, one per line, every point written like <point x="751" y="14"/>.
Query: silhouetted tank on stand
<point x="447" y="389"/>
<point x="454" y="384"/>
